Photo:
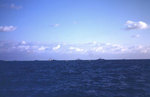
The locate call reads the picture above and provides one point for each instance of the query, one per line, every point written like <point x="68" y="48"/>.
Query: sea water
<point x="78" y="78"/>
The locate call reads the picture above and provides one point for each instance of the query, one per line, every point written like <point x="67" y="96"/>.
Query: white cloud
<point x="24" y="47"/>
<point x="76" y="49"/>
<point x="143" y="49"/>
<point x="136" y="36"/>
<point x="7" y="28"/>
<point x="109" y="48"/>
<point x="42" y="48"/>
<point x="13" y="6"/>
<point x="23" y="42"/>
<point x="99" y="49"/>
<point x="130" y="25"/>
<point x="57" y="47"/>
<point x="55" y="25"/>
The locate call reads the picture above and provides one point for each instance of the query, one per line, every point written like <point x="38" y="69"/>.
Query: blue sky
<point x="86" y="29"/>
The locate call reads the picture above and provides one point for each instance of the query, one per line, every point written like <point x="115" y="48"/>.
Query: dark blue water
<point x="108" y="78"/>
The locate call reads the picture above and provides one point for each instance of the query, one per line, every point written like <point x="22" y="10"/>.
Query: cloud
<point x="99" y="49"/>
<point x="76" y="49"/>
<point x="131" y="25"/>
<point x="56" y="47"/>
<point x="109" y="48"/>
<point x="72" y="51"/>
<point x="55" y="25"/>
<point x="135" y="36"/>
<point x="7" y="28"/>
<point x="23" y="42"/>
<point x="23" y="47"/>
<point x="13" y="6"/>
<point x="42" y="48"/>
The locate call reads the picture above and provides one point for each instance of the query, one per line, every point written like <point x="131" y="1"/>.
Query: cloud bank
<point x="33" y="51"/>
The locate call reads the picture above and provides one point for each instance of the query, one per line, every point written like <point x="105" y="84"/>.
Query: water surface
<point x="107" y="78"/>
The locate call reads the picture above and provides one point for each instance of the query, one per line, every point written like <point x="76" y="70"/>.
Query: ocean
<point x="76" y="78"/>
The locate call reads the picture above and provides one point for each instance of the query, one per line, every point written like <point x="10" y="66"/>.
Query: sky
<point x="74" y="29"/>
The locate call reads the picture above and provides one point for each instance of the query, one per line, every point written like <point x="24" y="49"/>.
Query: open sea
<point x="88" y="78"/>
